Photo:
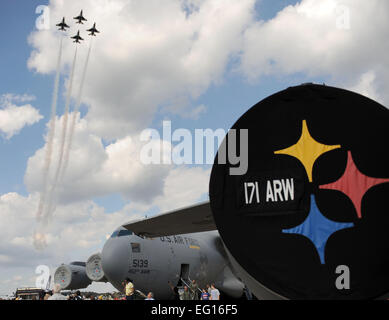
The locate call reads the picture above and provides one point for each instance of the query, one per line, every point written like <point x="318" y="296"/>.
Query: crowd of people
<point x="191" y="292"/>
<point x="186" y="292"/>
<point x="57" y="294"/>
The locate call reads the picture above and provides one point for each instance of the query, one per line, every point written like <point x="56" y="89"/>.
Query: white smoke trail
<point x="39" y="237"/>
<point x="75" y="112"/>
<point x="51" y="133"/>
<point x="51" y="197"/>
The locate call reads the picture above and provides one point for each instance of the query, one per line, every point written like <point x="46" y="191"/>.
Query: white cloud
<point x="183" y="187"/>
<point x="76" y="232"/>
<point x="79" y="229"/>
<point x="312" y="38"/>
<point x="96" y="170"/>
<point x="14" y="118"/>
<point x="148" y="56"/>
<point x="366" y="86"/>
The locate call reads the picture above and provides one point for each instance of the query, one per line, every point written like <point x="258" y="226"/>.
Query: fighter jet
<point x="77" y="37"/>
<point x="62" y="25"/>
<point x="93" y="30"/>
<point x="80" y="18"/>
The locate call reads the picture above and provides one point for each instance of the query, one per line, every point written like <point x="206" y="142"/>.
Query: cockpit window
<point x="115" y="234"/>
<point x="123" y="233"/>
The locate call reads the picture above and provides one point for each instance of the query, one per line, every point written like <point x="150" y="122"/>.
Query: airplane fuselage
<point x="151" y="263"/>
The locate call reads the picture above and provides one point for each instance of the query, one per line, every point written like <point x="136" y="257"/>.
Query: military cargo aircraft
<point x="158" y="250"/>
<point x="306" y="221"/>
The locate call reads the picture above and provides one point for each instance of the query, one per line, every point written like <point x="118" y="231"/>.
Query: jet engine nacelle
<point x="72" y="276"/>
<point x="293" y="214"/>
<point x="94" y="269"/>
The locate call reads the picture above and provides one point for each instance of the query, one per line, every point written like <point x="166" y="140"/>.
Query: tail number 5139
<point x="140" y="263"/>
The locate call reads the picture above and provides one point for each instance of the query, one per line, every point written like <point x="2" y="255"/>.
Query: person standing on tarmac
<point x="129" y="289"/>
<point x="194" y="290"/>
<point x="205" y="295"/>
<point x="57" y="293"/>
<point x="78" y="296"/>
<point x="215" y="294"/>
<point x="208" y="288"/>
<point x="150" y="296"/>
<point x="186" y="295"/>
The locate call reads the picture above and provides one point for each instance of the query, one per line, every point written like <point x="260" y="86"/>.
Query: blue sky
<point x="234" y="96"/>
<point x="15" y="26"/>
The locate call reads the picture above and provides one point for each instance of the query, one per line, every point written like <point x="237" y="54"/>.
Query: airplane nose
<point x="114" y="259"/>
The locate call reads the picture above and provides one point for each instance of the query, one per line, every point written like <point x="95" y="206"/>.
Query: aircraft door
<point x="184" y="274"/>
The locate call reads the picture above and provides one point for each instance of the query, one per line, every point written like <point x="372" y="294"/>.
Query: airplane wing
<point x="197" y="218"/>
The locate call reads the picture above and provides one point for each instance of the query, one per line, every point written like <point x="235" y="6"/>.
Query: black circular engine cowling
<point x="310" y="217"/>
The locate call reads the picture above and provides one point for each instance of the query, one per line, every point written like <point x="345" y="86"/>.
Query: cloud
<point x="76" y="232"/>
<point x="79" y="226"/>
<point x="14" y="118"/>
<point x="148" y="56"/>
<point x="183" y="187"/>
<point x="96" y="170"/>
<point x="163" y="55"/>
<point x="112" y="168"/>
<point x="345" y="41"/>
<point x="367" y="86"/>
<point x="79" y="229"/>
<point x="159" y="56"/>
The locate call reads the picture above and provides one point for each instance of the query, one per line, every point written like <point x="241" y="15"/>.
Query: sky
<point x="197" y="63"/>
